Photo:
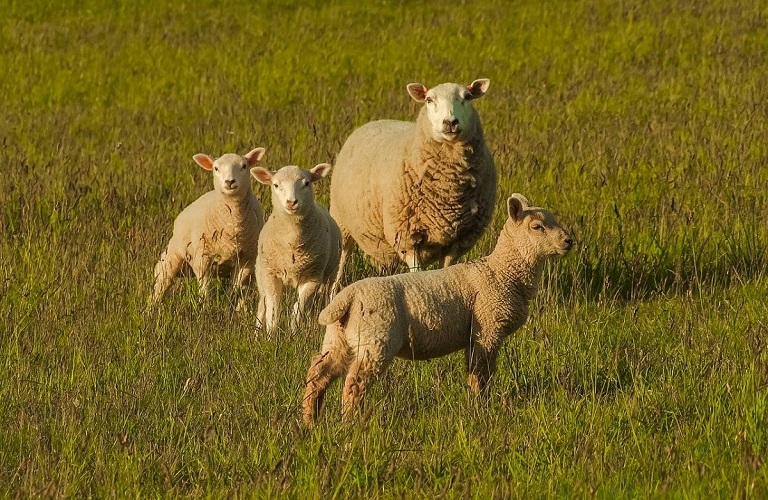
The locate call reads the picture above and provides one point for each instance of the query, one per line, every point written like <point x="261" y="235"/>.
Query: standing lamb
<point x="300" y="245"/>
<point x="471" y="306"/>
<point x="218" y="233"/>
<point x="417" y="192"/>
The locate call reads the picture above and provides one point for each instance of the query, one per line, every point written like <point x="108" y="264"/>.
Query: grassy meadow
<point x="643" y="370"/>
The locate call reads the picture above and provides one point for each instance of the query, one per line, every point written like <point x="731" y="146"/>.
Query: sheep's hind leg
<point x="325" y="368"/>
<point x="362" y="372"/>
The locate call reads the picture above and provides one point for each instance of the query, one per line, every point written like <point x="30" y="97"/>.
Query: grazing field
<point x="643" y="369"/>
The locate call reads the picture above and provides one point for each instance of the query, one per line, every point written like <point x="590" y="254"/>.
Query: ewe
<point x="300" y="244"/>
<point x="416" y="192"/>
<point x="218" y="233"/>
<point x="471" y="306"/>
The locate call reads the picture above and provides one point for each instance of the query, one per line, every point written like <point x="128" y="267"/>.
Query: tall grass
<point x="643" y="370"/>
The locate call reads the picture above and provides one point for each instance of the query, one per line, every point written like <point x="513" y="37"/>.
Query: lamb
<point x="218" y="233"/>
<point x="300" y="245"/>
<point x="418" y="192"/>
<point x="471" y="306"/>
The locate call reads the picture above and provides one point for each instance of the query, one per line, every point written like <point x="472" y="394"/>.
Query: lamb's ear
<point x="515" y="206"/>
<point x="255" y="155"/>
<point x="320" y="170"/>
<point x="417" y="91"/>
<point x="204" y="161"/>
<point x="478" y="88"/>
<point x="262" y="175"/>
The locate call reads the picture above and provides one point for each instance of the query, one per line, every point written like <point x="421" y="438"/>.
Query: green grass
<point x="643" y="370"/>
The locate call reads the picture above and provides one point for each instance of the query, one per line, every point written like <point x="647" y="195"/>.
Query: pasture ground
<point x="643" y="370"/>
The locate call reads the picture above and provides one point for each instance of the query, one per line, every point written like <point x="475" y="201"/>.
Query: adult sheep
<point x="416" y="192"/>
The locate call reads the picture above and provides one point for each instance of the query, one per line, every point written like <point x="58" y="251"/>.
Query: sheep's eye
<point x="275" y="184"/>
<point x="216" y="168"/>
<point x="537" y="227"/>
<point x="430" y="100"/>
<point x="244" y="165"/>
<point x="306" y="183"/>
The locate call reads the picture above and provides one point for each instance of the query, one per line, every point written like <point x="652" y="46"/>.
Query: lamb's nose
<point x="229" y="183"/>
<point x="568" y="241"/>
<point x="292" y="203"/>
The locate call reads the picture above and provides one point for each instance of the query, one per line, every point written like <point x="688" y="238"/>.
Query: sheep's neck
<point x="456" y="154"/>
<point x="234" y="208"/>
<point x="513" y="268"/>
<point x="301" y="220"/>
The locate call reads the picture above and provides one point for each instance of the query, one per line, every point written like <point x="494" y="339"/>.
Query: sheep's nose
<point x="451" y="123"/>
<point x="229" y="183"/>
<point x="291" y="203"/>
<point x="569" y="242"/>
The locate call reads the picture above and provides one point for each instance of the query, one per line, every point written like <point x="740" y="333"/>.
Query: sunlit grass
<point x="643" y="370"/>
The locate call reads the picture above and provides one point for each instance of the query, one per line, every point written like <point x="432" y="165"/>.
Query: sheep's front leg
<point x="307" y="295"/>
<point x="166" y="269"/>
<point x="413" y="260"/>
<point x="241" y="275"/>
<point x="202" y="267"/>
<point x="347" y="244"/>
<point x="270" y="291"/>
<point x="481" y="365"/>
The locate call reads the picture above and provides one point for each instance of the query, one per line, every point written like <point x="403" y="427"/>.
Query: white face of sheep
<point x="449" y="108"/>
<point x="292" y="186"/>
<point x="230" y="171"/>
<point x="543" y="235"/>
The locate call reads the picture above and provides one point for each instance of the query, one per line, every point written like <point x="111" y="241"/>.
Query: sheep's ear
<point x="255" y="155"/>
<point x="417" y="91"/>
<point x="478" y="88"/>
<point x="515" y="206"/>
<point x="319" y="171"/>
<point x="204" y="161"/>
<point x="262" y="175"/>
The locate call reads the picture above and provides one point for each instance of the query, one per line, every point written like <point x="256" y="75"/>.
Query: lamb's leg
<point x="166" y="269"/>
<point x="325" y="368"/>
<point x="241" y="275"/>
<point x="481" y="365"/>
<point x="347" y="245"/>
<point x="362" y="372"/>
<point x="270" y="291"/>
<point x="307" y="295"/>
<point x="201" y="266"/>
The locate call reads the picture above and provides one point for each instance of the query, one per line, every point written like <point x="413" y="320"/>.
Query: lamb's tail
<point x="338" y="308"/>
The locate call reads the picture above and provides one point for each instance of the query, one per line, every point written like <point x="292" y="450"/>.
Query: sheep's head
<point x="537" y="232"/>
<point x="292" y="186"/>
<point x="449" y="108"/>
<point x="230" y="171"/>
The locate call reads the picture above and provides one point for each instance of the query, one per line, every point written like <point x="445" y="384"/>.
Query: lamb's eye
<point x="306" y="183"/>
<point x="244" y="165"/>
<point x="430" y="100"/>
<point x="537" y="227"/>
<point x="216" y="168"/>
<point x="275" y="184"/>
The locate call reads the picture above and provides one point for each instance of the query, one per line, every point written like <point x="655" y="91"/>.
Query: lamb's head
<point x="535" y="231"/>
<point x="230" y="171"/>
<point x="449" y="108"/>
<point x="292" y="186"/>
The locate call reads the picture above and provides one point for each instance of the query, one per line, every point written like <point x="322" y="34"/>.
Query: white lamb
<point x="417" y="192"/>
<point x="218" y="233"/>
<point x="300" y="244"/>
<point x="471" y="306"/>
